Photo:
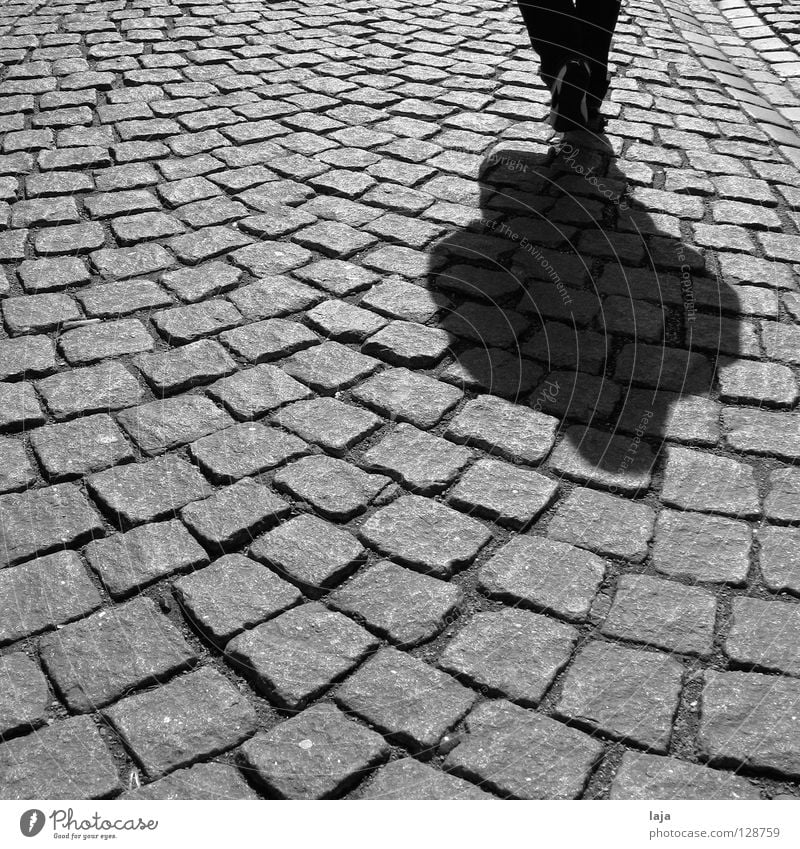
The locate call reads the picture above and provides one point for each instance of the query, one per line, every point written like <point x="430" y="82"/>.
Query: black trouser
<point x="563" y="29"/>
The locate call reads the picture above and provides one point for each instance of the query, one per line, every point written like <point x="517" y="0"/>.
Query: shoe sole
<point x="570" y="110"/>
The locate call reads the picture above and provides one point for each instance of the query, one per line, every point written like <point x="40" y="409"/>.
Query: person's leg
<point x="554" y="33"/>
<point x="599" y="19"/>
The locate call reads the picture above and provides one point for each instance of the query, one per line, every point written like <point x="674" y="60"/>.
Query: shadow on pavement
<point x="568" y="299"/>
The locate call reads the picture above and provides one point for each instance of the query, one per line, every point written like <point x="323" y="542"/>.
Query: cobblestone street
<point x="357" y="443"/>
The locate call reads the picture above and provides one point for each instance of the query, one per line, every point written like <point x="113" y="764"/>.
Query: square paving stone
<point x="782" y="502"/>
<point x="126" y="562"/>
<point x="97" y="660"/>
<point x="612" y="462"/>
<point x="180" y="325"/>
<point x="508" y="494"/>
<point x="235" y="514"/>
<point x="408" y="397"/>
<point x="80" y="447"/>
<point x="498" y="426"/>
<point x="408" y="779"/>
<point x="195" y="716"/>
<point x="749" y="381"/>
<point x="258" y="390"/>
<point x="642" y="776"/>
<point x="404" y="607"/>
<point x="334" y="488"/>
<point x="513" y="652"/>
<point x="210" y="781"/>
<point x="310" y="552"/>
<point x="110" y="300"/>
<point x="94" y="389"/>
<point x="244" y="449"/>
<point x="142" y="492"/>
<point x="38" y="313"/>
<point x="273" y="297"/>
<point x="318" y="754"/>
<point x="51" y="275"/>
<point x="44" y="593"/>
<point x="232" y="594"/>
<point x="16" y="471"/>
<point x="780" y="558"/>
<point x="694" y="480"/>
<point x="765" y="634"/>
<point x="343" y="322"/>
<point x="329" y="423"/>
<point x="330" y="367"/>
<point x="661" y="613"/>
<point x="604" y="524"/>
<point x="267" y="340"/>
<point x="337" y="277"/>
<point x="27" y="356"/>
<point x="199" y="282"/>
<point x="409" y="701"/>
<point x="627" y="694"/>
<point x="207" y="243"/>
<point x="160" y="425"/>
<point x="702" y="548"/>
<point x="19" y="407"/>
<point x="25" y="695"/>
<point x="66" y="760"/>
<point x="518" y="754"/>
<point x="296" y="656"/>
<point x="43" y="520"/>
<point x="426" y="535"/>
<point x="748" y="719"/>
<point x="138" y="261"/>
<point x="266" y="258"/>
<point x="406" y="343"/>
<point x="424" y="463"/>
<point x="544" y="575"/>
<point x="190" y="365"/>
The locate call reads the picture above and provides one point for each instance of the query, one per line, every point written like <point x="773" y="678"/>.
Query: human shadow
<point x="569" y="297"/>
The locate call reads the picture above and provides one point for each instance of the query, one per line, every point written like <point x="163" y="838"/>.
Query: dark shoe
<point x="596" y="94"/>
<point x="569" y="108"/>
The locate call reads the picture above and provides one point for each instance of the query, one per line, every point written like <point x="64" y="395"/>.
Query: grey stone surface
<point x="25" y="695"/>
<point x="334" y="754"/>
<point x="194" y="716"/>
<point x="408" y="779"/>
<point x="102" y="657"/>
<point x="296" y="656"/>
<point x="765" y="634"/>
<point x="412" y="703"/>
<point x="208" y="781"/>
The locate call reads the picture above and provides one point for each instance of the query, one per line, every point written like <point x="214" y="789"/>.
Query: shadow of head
<point x="569" y="294"/>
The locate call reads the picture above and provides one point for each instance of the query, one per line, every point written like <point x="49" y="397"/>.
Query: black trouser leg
<point x="554" y="32"/>
<point x="598" y="20"/>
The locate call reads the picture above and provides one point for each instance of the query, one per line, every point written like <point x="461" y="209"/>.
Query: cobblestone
<point x="25" y="695"/>
<point x="335" y="754"/>
<point x="409" y="701"/>
<point x="206" y="714"/>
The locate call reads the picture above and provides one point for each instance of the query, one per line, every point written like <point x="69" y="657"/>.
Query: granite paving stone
<point x="519" y="754"/>
<point x="25" y="696"/>
<point x="310" y="552"/>
<point x="662" y="613"/>
<point x="102" y="657"/>
<point x="625" y="693"/>
<point x="211" y="781"/>
<point x="750" y="719"/>
<point x="232" y="594"/>
<point x="93" y="389"/>
<point x="411" y="702"/>
<point x="42" y="765"/>
<point x="194" y="716"/>
<point x="780" y="558"/>
<point x="405" y="607"/>
<point x="298" y="655"/>
<point x="764" y="634"/>
<point x="334" y="754"/>
<point x="644" y="776"/>
<point x="514" y="653"/>
<point x="408" y="779"/>
<point x="425" y="535"/>
<point x="44" y="593"/>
